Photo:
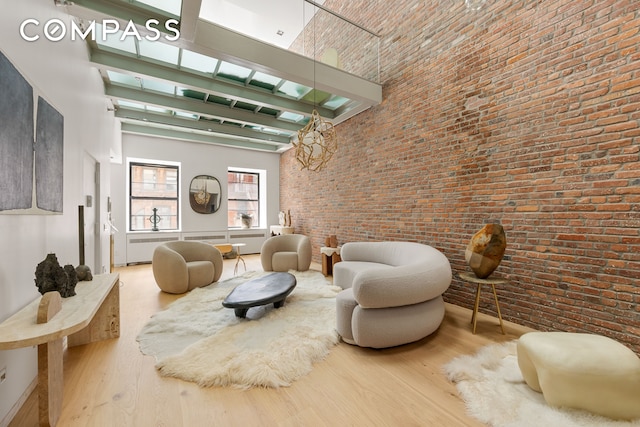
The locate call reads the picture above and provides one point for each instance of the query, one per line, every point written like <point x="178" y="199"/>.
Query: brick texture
<point x="525" y="113"/>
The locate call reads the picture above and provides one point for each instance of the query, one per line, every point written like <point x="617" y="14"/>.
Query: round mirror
<point x="204" y="194"/>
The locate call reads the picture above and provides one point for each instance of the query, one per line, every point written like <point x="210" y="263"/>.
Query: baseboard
<point x="23" y="398"/>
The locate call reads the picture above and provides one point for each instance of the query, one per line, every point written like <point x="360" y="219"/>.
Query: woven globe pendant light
<point x="318" y="140"/>
<point x="317" y="143"/>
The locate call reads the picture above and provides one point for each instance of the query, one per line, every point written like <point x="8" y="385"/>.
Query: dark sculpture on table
<point x="84" y="273"/>
<point x="50" y="276"/>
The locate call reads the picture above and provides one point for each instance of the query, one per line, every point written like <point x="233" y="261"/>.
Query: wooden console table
<point x="93" y="314"/>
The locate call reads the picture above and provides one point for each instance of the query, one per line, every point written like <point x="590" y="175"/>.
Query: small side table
<point x="239" y="258"/>
<point x="330" y="256"/>
<point x="470" y="277"/>
<point x="224" y="248"/>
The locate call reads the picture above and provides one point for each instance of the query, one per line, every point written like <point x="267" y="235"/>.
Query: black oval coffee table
<point x="272" y="288"/>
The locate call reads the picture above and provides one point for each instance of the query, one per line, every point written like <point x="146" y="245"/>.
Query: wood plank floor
<point x="111" y="383"/>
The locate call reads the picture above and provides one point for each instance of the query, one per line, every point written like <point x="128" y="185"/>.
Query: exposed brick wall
<point x="524" y="113"/>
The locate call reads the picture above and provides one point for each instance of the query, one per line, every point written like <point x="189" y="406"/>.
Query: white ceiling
<point x="261" y="19"/>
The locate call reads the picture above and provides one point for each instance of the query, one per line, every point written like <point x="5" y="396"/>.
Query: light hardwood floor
<point x="111" y="383"/>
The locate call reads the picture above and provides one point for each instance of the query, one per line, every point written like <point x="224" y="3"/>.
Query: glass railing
<point x="307" y="28"/>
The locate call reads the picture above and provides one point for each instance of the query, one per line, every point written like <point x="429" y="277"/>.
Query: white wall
<point x="61" y="73"/>
<point x="195" y="159"/>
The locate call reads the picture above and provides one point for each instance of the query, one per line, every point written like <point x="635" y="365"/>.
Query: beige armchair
<point x="181" y="266"/>
<point x="286" y="252"/>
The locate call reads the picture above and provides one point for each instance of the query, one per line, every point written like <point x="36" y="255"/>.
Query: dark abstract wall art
<point x="49" y="157"/>
<point x="31" y="147"/>
<point x="16" y="138"/>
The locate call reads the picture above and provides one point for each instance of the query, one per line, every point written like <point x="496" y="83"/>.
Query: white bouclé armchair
<point x="392" y="292"/>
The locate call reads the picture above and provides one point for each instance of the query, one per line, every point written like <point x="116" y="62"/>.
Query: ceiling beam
<point x="199" y="107"/>
<point x="189" y="18"/>
<point x="129" y="64"/>
<point x="204" y="126"/>
<point x="196" y="137"/>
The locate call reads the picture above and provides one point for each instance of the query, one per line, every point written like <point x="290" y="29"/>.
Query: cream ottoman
<point x="582" y="371"/>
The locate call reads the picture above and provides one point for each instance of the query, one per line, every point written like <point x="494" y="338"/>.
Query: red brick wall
<point x="524" y="113"/>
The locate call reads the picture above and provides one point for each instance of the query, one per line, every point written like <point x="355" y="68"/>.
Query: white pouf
<point x="582" y="371"/>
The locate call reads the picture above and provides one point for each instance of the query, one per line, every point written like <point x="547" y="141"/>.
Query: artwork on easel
<point x="31" y="147"/>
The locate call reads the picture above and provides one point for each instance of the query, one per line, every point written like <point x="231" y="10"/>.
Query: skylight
<point x="171" y="6"/>
<point x="201" y="85"/>
<point x="159" y="51"/>
<point x="198" y="62"/>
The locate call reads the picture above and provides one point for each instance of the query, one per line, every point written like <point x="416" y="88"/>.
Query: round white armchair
<point x="392" y="292"/>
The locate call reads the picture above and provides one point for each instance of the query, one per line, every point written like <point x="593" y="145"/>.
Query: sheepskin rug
<point x="197" y="339"/>
<point x="495" y="393"/>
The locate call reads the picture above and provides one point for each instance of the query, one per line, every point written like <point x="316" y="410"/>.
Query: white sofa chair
<point x="392" y="292"/>
<point x="181" y="266"/>
<point x="286" y="252"/>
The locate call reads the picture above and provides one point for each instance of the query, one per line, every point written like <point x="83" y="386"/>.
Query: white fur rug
<point x="495" y="393"/>
<point x="197" y="339"/>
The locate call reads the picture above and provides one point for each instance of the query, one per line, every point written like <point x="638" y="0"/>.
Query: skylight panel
<point x="335" y="102"/>
<point x="234" y="72"/>
<point x="158" y="110"/>
<point x="294" y="90"/>
<point x="114" y="41"/>
<point x="123" y="79"/>
<point x="271" y="131"/>
<point x="265" y="81"/>
<point x="158" y="86"/>
<point x="214" y="99"/>
<point x="210" y="119"/>
<point x="190" y="93"/>
<point x="132" y="105"/>
<point x="270" y="111"/>
<point x="294" y="117"/>
<point x="246" y="106"/>
<point x="172" y="6"/>
<point x="236" y="124"/>
<point x="159" y="51"/>
<point x="317" y="96"/>
<point x="198" y="62"/>
<point x="184" y="115"/>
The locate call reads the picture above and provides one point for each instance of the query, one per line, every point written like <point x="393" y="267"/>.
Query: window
<point x="153" y="186"/>
<point x="244" y="198"/>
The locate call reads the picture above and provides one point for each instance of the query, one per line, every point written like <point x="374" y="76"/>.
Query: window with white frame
<point x="153" y="186"/>
<point x="243" y="199"/>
